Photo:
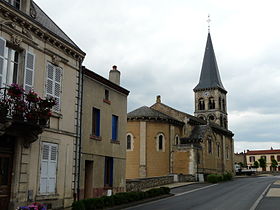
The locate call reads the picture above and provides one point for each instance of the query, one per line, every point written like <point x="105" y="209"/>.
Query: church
<point x="162" y="140"/>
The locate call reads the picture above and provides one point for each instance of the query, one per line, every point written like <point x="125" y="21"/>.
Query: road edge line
<point x="260" y="197"/>
<point x="195" y="190"/>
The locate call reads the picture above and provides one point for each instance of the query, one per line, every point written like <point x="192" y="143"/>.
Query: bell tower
<point x="210" y="94"/>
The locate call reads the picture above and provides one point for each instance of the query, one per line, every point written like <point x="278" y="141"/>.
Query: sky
<point x="158" y="45"/>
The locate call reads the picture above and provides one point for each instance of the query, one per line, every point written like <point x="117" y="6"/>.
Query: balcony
<point x="23" y="115"/>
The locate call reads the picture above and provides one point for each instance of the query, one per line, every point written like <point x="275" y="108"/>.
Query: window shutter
<point x="29" y="71"/>
<point x="50" y="80"/>
<point x="114" y="127"/>
<point x="52" y="169"/>
<point x="2" y="53"/>
<point x="48" y="168"/>
<point x="57" y="87"/>
<point x="111" y="171"/>
<point x="98" y="123"/>
<point x="44" y="169"/>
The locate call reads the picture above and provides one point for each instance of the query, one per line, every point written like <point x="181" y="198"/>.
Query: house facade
<point x="162" y="140"/>
<point x="38" y="162"/>
<point x="269" y="156"/>
<point x="103" y="147"/>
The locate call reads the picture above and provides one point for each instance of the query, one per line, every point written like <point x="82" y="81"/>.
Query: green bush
<point x="227" y="176"/>
<point x="117" y="199"/>
<point x="220" y="178"/>
<point x="212" y="178"/>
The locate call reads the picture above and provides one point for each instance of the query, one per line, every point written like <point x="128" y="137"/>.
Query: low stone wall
<point x="144" y="183"/>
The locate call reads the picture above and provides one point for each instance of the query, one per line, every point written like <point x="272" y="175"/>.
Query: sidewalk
<point x="172" y="185"/>
<point x="271" y="198"/>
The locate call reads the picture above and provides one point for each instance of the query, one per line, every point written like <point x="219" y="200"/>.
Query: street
<point x="239" y="194"/>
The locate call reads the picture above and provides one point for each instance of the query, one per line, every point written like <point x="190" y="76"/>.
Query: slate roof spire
<point x="209" y="76"/>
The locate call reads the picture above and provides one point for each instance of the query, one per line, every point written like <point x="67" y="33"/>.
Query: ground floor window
<point x="108" y="172"/>
<point x="48" y="168"/>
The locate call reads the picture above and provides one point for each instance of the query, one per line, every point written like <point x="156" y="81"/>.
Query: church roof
<point x="47" y="22"/>
<point x="209" y="76"/>
<point x="145" y="112"/>
<point x="197" y="134"/>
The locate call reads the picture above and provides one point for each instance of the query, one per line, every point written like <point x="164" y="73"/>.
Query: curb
<point x="140" y="202"/>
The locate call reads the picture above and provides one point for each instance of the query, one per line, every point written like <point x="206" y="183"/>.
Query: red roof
<point x="263" y="152"/>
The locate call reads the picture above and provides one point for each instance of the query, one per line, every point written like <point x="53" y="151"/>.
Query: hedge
<point x="117" y="199"/>
<point x="214" y="178"/>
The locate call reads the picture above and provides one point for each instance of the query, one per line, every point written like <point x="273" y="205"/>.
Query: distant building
<point x="162" y="140"/>
<point x="103" y="145"/>
<point x="240" y="158"/>
<point x="268" y="155"/>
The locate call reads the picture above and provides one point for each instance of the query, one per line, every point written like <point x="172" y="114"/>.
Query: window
<point x="225" y="122"/>
<point x="218" y="150"/>
<point x="114" y="127"/>
<point x="252" y="159"/>
<point x="211" y="103"/>
<point x="227" y="153"/>
<point x="160" y="141"/>
<point x="272" y="157"/>
<point x="263" y="157"/>
<point x="220" y="103"/>
<point x="201" y="104"/>
<point x="177" y="140"/>
<point x="95" y="122"/>
<point x="106" y="97"/>
<point x="48" y="168"/>
<point x="15" y="3"/>
<point x="129" y="142"/>
<point x="211" y="117"/>
<point x="8" y="64"/>
<point x="221" y="121"/>
<point x="278" y="157"/>
<point x="224" y="105"/>
<point x="53" y="84"/>
<point x="209" y="145"/>
<point x="108" y="172"/>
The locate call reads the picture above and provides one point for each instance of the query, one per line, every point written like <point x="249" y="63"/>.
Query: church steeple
<point x="209" y="76"/>
<point x="210" y="94"/>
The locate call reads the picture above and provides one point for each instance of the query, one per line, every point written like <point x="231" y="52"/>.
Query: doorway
<point x="88" y="179"/>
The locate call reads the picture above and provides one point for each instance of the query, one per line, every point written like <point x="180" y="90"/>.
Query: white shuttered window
<point x="2" y="59"/>
<point x="29" y="71"/>
<point x="53" y="84"/>
<point x="48" y="168"/>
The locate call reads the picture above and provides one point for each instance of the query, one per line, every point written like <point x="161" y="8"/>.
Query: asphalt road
<point x="239" y="194"/>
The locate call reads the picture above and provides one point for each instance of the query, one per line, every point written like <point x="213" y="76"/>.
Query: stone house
<point x="162" y="140"/>
<point x="38" y="163"/>
<point x="103" y="145"/>
<point x="268" y="155"/>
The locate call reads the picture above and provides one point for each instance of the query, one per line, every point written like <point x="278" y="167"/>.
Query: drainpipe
<point x="78" y="133"/>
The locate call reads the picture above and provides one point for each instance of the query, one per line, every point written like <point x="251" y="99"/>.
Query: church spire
<point x="209" y="76"/>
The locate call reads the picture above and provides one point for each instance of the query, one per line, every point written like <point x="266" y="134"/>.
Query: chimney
<point x="114" y="75"/>
<point x="158" y="99"/>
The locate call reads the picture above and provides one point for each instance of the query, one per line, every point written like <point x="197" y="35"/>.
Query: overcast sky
<point x="158" y="46"/>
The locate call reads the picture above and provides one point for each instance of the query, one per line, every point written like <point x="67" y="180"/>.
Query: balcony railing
<point x="23" y="114"/>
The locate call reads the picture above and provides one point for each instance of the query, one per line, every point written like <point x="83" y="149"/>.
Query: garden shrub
<point x="212" y="178"/>
<point x="117" y="199"/>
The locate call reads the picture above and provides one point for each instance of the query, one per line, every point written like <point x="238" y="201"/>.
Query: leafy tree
<point x="274" y="164"/>
<point x="262" y="162"/>
<point x="256" y="164"/>
<point x="241" y="164"/>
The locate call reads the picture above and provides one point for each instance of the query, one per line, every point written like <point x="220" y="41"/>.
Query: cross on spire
<point x="208" y="20"/>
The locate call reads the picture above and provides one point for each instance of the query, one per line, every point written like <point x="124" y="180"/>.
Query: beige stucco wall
<point x="26" y="167"/>
<point x="96" y="150"/>
<point x="133" y="156"/>
<point x="257" y="157"/>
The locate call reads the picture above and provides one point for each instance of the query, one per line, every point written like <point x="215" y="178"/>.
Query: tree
<point x="256" y="164"/>
<point x="274" y="164"/>
<point x="241" y="164"/>
<point x="262" y="162"/>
